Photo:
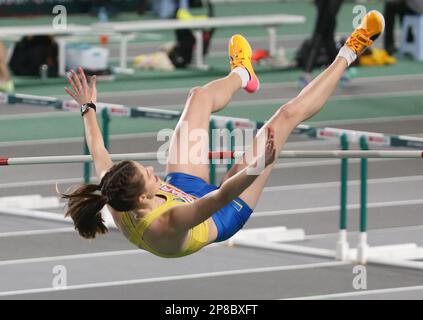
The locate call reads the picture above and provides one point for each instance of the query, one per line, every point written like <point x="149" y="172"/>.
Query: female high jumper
<point x="184" y="213"/>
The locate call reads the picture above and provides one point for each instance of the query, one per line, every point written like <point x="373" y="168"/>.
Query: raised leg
<point x="288" y="117"/>
<point x="311" y="99"/>
<point x="189" y="145"/>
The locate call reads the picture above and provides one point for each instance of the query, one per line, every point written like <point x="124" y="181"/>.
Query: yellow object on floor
<point x="7" y="86"/>
<point x="378" y="57"/>
<point x="154" y="61"/>
<point x="183" y="14"/>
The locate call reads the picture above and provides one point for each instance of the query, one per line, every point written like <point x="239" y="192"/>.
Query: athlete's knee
<point x="200" y="93"/>
<point x="194" y="91"/>
<point x="200" y="98"/>
<point x="290" y="111"/>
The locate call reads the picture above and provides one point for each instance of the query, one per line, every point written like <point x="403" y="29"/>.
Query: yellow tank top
<point x="197" y="237"/>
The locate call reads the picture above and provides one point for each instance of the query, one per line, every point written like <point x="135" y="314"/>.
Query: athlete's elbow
<point x="225" y="196"/>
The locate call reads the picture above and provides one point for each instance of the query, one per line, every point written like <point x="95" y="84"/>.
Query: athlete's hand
<point x="82" y="92"/>
<point x="270" y="153"/>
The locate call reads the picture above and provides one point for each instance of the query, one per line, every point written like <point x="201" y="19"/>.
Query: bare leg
<point x="222" y="90"/>
<point x="202" y="101"/>
<point x="288" y="117"/>
<point x="4" y="71"/>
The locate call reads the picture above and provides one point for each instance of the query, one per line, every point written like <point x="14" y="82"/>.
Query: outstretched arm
<point x="185" y="217"/>
<point x="84" y="93"/>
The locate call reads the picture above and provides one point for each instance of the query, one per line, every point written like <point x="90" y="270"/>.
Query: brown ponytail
<point x="84" y="208"/>
<point x="120" y="188"/>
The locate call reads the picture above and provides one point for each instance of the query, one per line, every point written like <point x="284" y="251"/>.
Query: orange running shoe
<point x="240" y="53"/>
<point x="372" y="26"/>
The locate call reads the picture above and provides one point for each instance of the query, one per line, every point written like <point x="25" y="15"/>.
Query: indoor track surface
<point x="301" y="193"/>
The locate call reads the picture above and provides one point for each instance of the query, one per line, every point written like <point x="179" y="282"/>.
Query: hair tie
<point x="101" y="188"/>
<point x="106" y="198"/>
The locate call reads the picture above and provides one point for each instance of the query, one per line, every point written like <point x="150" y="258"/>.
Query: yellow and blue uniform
<point x="197" y="238"/>
<point x="181" y="188"/>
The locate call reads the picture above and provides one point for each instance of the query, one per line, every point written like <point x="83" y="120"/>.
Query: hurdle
<point x="360" y="255"/>
<point x="150" y="156"/>
<point x="363" y="254"/>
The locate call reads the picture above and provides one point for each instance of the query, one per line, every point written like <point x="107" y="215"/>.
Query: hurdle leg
<point x="273" y="39"/>
<point x="342" y="247"/>
<point x="199" y="48"/>
<point x="363" y="247"/>
<point x="87" y="165"/>
<point x="62" y="56"/>
<point x="124" y="51"/>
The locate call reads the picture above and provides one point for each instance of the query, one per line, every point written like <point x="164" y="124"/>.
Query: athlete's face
<point x="152" y="181"/>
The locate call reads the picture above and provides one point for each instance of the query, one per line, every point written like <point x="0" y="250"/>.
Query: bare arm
<point x="95" y="144"/>
<point x="188" y="216"/>
<point x="83" y="93"/>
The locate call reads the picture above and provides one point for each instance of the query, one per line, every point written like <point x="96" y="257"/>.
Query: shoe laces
<point x="236" y="59"/>
<point x="359" y="39"/>
<point x="237" y="62"/>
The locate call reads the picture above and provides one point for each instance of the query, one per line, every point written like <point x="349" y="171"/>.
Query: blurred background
<point x="164" y="58"/>
<point x="148" y="55"/>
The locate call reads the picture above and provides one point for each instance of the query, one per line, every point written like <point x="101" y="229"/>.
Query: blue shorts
<point x="229" y="220"/>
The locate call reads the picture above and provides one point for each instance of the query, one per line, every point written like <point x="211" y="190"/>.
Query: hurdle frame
<point x="360" y="255"/>
<point x="362" y="258"/>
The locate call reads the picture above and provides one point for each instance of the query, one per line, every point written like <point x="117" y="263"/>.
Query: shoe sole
<point x="253" y="86"/>
<point x="382" y="18"/>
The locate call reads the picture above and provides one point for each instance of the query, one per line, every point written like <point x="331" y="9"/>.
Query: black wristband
<point x="87" y="106"/>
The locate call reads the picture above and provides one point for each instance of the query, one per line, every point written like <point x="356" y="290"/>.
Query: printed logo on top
<point x="120" y="111"/>
<point x="114" y="109"/>
<point x="180" y="194"/>
<point x="71" y="106"/>
<point x="243" y="125"/>
<point x="377" y="139"/>
<point x="325" y="133"/>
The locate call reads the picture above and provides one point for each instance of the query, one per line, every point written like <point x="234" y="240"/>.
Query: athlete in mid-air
<point x="183" y="213"/>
